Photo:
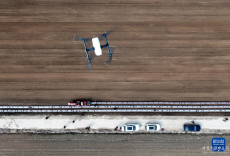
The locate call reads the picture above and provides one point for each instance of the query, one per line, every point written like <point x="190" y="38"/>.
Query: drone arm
<point x="86" y="51"/>
<point x="91" y="49"/>
<point x="103" y="46"/>
<point x="84" y="44"/>
<point x="107" y="45"/>
<point x="89" y="61"/>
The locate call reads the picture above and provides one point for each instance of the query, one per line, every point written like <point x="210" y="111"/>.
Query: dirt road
<point x="165" y="51"/>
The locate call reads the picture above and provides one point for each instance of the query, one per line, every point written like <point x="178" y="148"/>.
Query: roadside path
<point x="57" y="122"/>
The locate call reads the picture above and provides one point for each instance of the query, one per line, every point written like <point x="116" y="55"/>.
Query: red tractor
<point x="79" y="103"/>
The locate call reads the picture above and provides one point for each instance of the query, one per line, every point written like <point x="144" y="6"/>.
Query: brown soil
<point x="165" y="51"/>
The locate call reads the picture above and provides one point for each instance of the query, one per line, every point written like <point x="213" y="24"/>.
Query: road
<point x="107" y="123"/>
<point x="108" y="145"/>
<point x="165" y="51"/>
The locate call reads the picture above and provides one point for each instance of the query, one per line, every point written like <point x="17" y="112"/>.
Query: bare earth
<point x="110" y="144"/>
<point x="165" y="51"/>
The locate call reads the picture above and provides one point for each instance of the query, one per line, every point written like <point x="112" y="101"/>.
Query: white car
<point x="130" y="127"/>
<point x="150" y="127"/>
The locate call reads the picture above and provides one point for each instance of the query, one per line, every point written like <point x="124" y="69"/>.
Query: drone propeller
<point x="111" y="48"/>
<point x="88" y="67"/>
<point x="110" y="32"/>
<point x="77" y="38"/>
<point x="108" y="62"/>
<point x="91" y="56"/>
<point x="89" y="42"/>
